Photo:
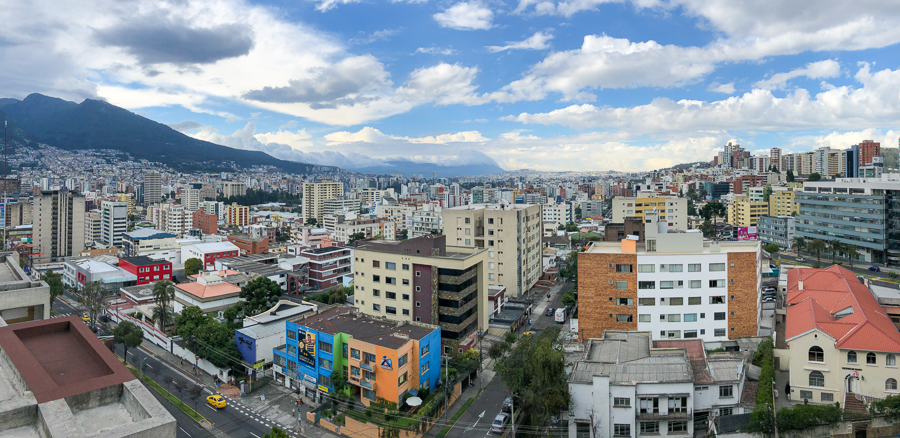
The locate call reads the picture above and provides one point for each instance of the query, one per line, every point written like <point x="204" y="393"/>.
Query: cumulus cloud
<point x="466" y="16"/>
<point x="721" y="88"/>
<point x="538" y="41"/>
<point x="815" y="70"/>
<point x="372" y="135"/>
<point x="444" y="84"/>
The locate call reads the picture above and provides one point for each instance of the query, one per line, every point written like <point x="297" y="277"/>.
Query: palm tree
<point x="852" y="252"/>
<point x="816" y="245"/>
<point x="163" y="296"/>
<point x="799" y="244"/>
<point x="835" y="247"/>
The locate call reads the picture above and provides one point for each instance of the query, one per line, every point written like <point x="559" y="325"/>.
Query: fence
<point x="151" y="333"/>
<point x="205" y="365"/>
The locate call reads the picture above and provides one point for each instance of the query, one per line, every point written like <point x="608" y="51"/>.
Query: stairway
<point x="852" y="404"/>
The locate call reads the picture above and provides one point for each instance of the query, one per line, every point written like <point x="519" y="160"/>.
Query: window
<point x="391" y="310"/>
<point x="674" y="317"/>
<point x="291" y="350"/>
<point x="325" y="363"/>
<point x="717" y="283"/>
<point x="621" y="430"/>
<point x="676" y="268"/>
<point x="406" y="282"/>
<point x="695" y="284"/>
<point x="724" y="412"/>
<point x="390" y="280"/>
<point x="390" y="265"/>
<point x="646" y="301"/>
<point x="491" y="276"/>
<point x="816" y="354"/>
<point x="806" y="395"/>
<point x="645" y="317"/>
<point x="690" y="317"/>
<point x="418" y="274"/>
<point x="890" y="384"/>
<point x="402" y="379"/>
<point x="624" y="268"/>
<point x="871" y="359"/>
<point x="694" y="301"/>
<point x="292" y="335"/>
<point x="376" y="264"/>
<point x="324" y="347"/>
<point x="468" y="241"/>
<point x="851" y="357"/>
<point x="354" y="353"/>
<point x="390" y="295"/>
<point x="676" y="301"/>
<point x="677" y="405"/>
<point x="624" y="302"/>
<point x="649" y="427"/>
<point x="354" y="371"/>
<point x="376" y="292"/>
<point x="424" y="352"/>
<point x="695" y="267"/>
<point x="490" y="221"/>
<point x="646" y="285"/>
<point x="717" y="299"/>
<point x="690" y="334"/>
<point x="667" y="285"/>
<point x="646" y="269"/>
<point x="324" y="380"/>
<point x="816" y="378"/>
<point x="425" y="367"/>
<point x="376" y="307"/>
<point x="403" y="359"/>
<point x="673" y="334"/>
<point x="376" y="278"/>
<point x="624" y="318"/>
<point x="719" y="333"/>
<point x="726" y="391"/>
<point x="890" y="360"/>
<point x="621" y="285"/>
<point x="620" y="402"/>
<point x="677" y="427"/>
<point x="405" y="267"/>
<point x="716" y="267"/>
<point x="368" y="393"/>
<point x="827" y="397"/>
<point x="370" y="357"/>
<point x="405" y="297"/>
<point x="719" y="316"/>
<point x="649" y="406"/>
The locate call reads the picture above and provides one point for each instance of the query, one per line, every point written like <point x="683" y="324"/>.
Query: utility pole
<point x="512" y="414"/>
<point x="774" y="411"/>
<point x="446" y="386"/>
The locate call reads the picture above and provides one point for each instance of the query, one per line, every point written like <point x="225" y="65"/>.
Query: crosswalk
<point x="61" y="315"/>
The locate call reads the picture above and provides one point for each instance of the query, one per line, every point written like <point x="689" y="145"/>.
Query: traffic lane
<point x="186" y="426"/>
<point x="490" y="403"/>
<point x="859" y="267"/>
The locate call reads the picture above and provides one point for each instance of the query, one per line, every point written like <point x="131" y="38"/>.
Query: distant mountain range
<point x="409" y="168"/>
<point x="94" y="124"/>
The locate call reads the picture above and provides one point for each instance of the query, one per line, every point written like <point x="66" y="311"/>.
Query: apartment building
<point x="745" y="212"/>
<point x="238" y="215"/>
<point x="782" y="202"/>
<point x="591" y="208"/>
<point x="366" y="225"/>
<point x="380" y="359"/>
<point x="153" y="243"/>
<point x="58" y="225"/>
<point x="510" y="232"/>
<point x="843" y="346"/>
<point x="776" y="229"/>
<point x="675" y="285"/>
<point x="669" y="208"/>
<point x="190" y="199"/>
<point x="146" y="270"/>
<point x="91" y="227"/>
<point x="558" y="213"/>
<point x="113" y="222"/>
<point x="420" y="280"/>
<point x="427" y="220"/>
<point x="21" y="299"/>
<point x="314" y="197"/>
<point x="213" y="207"/>
<point x="206" y="223"/>
<point x="485" y="195"/>
<point x="232" y="188"/>
<point x="328" y="266"/>
<point x="152" y="188"/>
<point x="331" y="206"/>
<point x="400" y="214"/>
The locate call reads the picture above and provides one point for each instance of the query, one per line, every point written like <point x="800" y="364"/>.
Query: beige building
<point x="315" y="195"/>
<point x="237" y="215"/>
<point x="58" y="225"/>
<point x="369" y="227"/>
<point x="843" y="347"/>
<point x="231" y="189"/>
<point x="21" y="299"/>
<point x="424" y="280"/>
<point x="171" y="218"/>
<point x="781" y="203"/>
<point x="510" y="232"/>
<point x="190" y="199"/>
<point x="670" y="209"/>
<point x="92" y="220"/>
<point x="744" y="212"/>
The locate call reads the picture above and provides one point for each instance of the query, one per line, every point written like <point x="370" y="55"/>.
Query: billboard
<point x="306" y="348"/>
<point x="746" y="233"/>
<point x="2" y="215"/>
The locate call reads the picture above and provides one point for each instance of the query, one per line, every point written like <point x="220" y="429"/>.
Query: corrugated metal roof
<point x="726" y="370"/>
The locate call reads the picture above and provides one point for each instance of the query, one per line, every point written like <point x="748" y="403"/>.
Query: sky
<point x="554" y="85"/>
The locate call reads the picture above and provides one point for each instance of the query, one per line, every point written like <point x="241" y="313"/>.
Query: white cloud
<point x="721" y="88"/>
<point x="815" y="70"/>
<point x="466" y="16"/>
<point x="444" y="84"/>
<point x="538" y="41"/>
<point x="565" y="8"/>
<point x="872" y="104"/>
<point x="372" y="135"/>
<point x="378" y="35"/>
<point x="254" y="116"/>
<point x="435" y="51"/>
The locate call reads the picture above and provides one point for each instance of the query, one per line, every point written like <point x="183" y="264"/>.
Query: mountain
<point x="94" y="124"/>
<point x="469" y="162"/>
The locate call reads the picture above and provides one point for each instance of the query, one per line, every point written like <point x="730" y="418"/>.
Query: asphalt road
<point x="858" y="268"/>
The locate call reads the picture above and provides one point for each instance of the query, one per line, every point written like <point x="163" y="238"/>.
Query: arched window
<point x="816" y="354"/>
<point x="891" y="360"/>
<point x="851" y="357"/>
<point x="816" y="378"/>
<point x="870" y="359"/>
<point x="890" y="384"/>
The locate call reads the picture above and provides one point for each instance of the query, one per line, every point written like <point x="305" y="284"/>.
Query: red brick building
<point x="207" y="223"/>
<point x="327" y="266"/>
<point x="146" y="269"/>
<point x="249" y="244"/>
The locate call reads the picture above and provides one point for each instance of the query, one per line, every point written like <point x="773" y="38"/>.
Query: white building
<point x="190" y="199"/>
<point x="209" y="252"/>
<point x="113" y="222"/>
<point x="558" y="213"/>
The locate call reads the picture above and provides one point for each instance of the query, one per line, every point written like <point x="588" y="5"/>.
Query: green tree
<point x="129" y="335"/>
<point x="772" y="248"/>
<point x="578" y="212"/>
<point x="707" y="228"/>
<point x="53" y="280"/>
<point x="356" y="236"/>
<point x="852" y="253"/>
<point x="815" y="176"/>
<point x="889" y="407"/>
<point x="790" y="176"/>
<point x="713" y="210"/>
<point x="834" y="246"/>
<point x="192" y="266"/>
<point x="339" y="378"/>
<point x="692" y="209"/>
<point x="163" y="296"/>
<point x="91" y="299"/>
<point x="403" y="235"/>
<point x="535" y="370"/>
<point x="311" y="221"/>
<point x="817" y="246"/>
<point x="572" y="227"/>
<point x="767" y="192"/>
<point x="276" y="433"/>
<point x="568" y="299"/>
<point x="284" y="234"/>
<point x="799" y="243"/>
<point x="259" y="295"/>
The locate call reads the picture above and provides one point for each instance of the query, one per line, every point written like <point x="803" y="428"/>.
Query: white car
<point x="801" y="259"/>
<point x="500" y="422"/>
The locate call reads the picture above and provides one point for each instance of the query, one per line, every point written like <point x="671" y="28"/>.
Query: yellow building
<point x="671" y="209"/>
<point x="129" y="199"/>
<point x="237" y="215"/>
<point x="781" y="203"/>
<point x="745" y="213"/>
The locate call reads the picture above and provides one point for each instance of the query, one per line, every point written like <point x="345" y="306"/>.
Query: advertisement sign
<point x="323" y="388"/>
<point x="259" y="364"/>
<point x="306" y="349"/>
<point x="2" y="215"/>
<point x="386" y="362"/>
<point x="746" y="233"/>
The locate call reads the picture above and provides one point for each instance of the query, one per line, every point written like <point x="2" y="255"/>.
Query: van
<point x="560" y="315"/>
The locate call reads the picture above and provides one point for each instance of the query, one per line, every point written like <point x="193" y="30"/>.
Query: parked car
<point x="216" y="401"/>
<point x="507" y="404"/>
<point x="874" y="268"/>
<point x="549" y="312"/>
<point x="500" y="422"/>
<point x="801" y="259"/>
<point x="768" y="299"/>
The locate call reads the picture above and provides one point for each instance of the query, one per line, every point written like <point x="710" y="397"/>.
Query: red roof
<point x="861" y="323"/>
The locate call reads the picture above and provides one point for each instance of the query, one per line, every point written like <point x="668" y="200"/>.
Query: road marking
<point x="186" y="432"/>
<point x="251" y="433"/>
<point x="214" y="409"/>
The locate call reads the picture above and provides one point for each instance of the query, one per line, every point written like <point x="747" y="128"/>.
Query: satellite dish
<point x="414" y="401"/>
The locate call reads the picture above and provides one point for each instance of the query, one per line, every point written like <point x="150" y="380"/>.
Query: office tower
<point x="152" y="187"/>
<point x="315" y="195"/>
<point x="775" y="158"/>
<point x="190" y="199"/>
<point x="58" y="225"/>
<point x="231" y="189"/>
<point x="92" y="221"/>
<point x="868" y="150"/>
<point x="113" y="222"/>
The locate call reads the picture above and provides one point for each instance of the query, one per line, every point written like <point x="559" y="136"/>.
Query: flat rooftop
<point x="7" y="274"/>
<point x="143" y="261"/>
<point x="61" y="357"/>
<point x="709" y="247"/>
<point x="363" y="327"/>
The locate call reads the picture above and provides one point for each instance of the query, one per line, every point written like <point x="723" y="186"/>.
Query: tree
<point x="53" y="280"/>
<point x="799" y="243"/>
<point x="852" y="253"/>
<point x="790" y="175"/>
<point x="259" y="295"/>
<point x="339" y="379"/>
<point x="207" y="338"/>
<point x="767" y="192"/>
<point x="772" y="248"/>
<point x="403" y="235"/>
<point x="578" y="212"/>
<point x="692" y="210"/>
<point x="568" y="299"/>
<point x="129" y="335"/>
<point x="713" y="210"/>
<point x="192" y="266"/>
<point x="311" y="221"/>
<point x="815" y="176"/>
<point x="284" y="234"/>
<point x="707" y="228"/>
<point x="536" y="370"/>
<point x="356" y="236"/>
<point x="276" y="433"/>
<point x="817" y="246"/>
<point x="571" y="227"/>
<point x="91" y="299"/>
<point x="835" y="246"/>
<point x="163" y="296"/>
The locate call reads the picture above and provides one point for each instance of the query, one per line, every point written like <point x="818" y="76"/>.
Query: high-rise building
<point x="92" y="220"/>
<point x="510" y="232"/>
<point x="237" y="215"/>
<point x="820" y="161"/>
<point x="190" y="199"/>
<point x="868" y="150"/>
<point x="775" y="158"/>
<point x="213" y="207"/>
<point x="232" y="188"/>
<point x="315" y="195"/>
<point x="152" y="187"/>
<point x="58" y="225"/>
<point x="113" y="222"/>
<point x="672" y="209"/>
<point x="745" y="212"/>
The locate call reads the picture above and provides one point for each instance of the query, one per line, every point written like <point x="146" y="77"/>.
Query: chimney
<point x="799" y="284"/>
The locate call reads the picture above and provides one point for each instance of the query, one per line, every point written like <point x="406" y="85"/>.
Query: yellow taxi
<point x="527" y="335"/>
<point x="216" y="401"/>
<point x="85" y="317"/>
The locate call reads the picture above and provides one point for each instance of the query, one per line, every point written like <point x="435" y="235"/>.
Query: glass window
<point x="646" y="301"/>
<point x="644" y="317"/>
<point x="402" y="379"/>
<point x="292" y="335"/>
<point x="622" y="430"/>
<point x="324" y="347"/>
<point x="649" y="427"/>
<point x="690" y="317"/>
<point x="405" y="267"/>
<point x="390" y="280"/>
<point x="676" y="301"/>
<point x="695" y="284"/>
<point x="717" y="299"/>
<point x="624" y="268"/>
<point x="726" y="391"/>
<point x="816" y="354"/>
<point x="890" y="384"/>
<point x="376" y="307"/>
<point x="717" y="283"/>
<point x="376" y="278"/>
<point x="390" y="265"/>
<point x="376" y="292"/>
<point x="621" y="402"/>
<point x="354" y="353"/>
<point x="713" y="267"/>
<point x="816" y="378"/>
<point x="646" y="285"/>
<point x="624" y="318"/>
<point x="851" y="357"/>
<point x="827" y="397"/>
<point x="870" y="359"/>
<point x="667" y="285"/>
<point x="890" y="360"/>
<point x="719" y="316"/>
<point x="390" y="295"/>
<point x="719" y="333"/>
<point x="645" y="269"/>
<point x="689" y="334"/>
<point x="391" y="310"/>
<point x="405" y="297"/>
<point x="724" y="412"/>
<point x="694" y="301"/>
<point x="376" y="264"/>
<point x="674" y="317"/>
<point x="673" y="334"/>
<point x="677" y="426"/>
<point x="403" y="359"/>
<point x="676" y="268"/>
<point x="624" y="302"/>
<point x="695" y="267"/>
<point x="370" y="357"/>
<point x="325" y="363"/>
<point x="621" y="285"/>
<point x="424" y="352"/>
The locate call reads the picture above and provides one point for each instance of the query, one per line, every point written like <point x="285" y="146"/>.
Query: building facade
<point x="328" y="266"/>
<point x="776" y="229"/>
<point x="745" y="212"/>
<point x="113" y="222"/>
<point x="147" y="270"/>
<point x="152" y="188"/>
<point x="208" y="253"/>
<point x="237" y="215"/>
<point x="782" y="203"/>
<point x="671" y="209"/>
<point x="58" y="225"/>
<point x="231" y="189"/>
<point x="315" y="195"/>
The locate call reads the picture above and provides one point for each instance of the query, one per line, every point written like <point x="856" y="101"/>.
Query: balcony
<point x="366" y="383"/>
<point x="679" y="414"/>
<point x="366" y="366"/>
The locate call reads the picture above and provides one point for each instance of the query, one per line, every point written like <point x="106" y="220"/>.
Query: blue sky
<point x="542" y="84"/>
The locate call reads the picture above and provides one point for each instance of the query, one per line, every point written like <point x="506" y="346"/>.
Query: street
<point x="859" y="268"/>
